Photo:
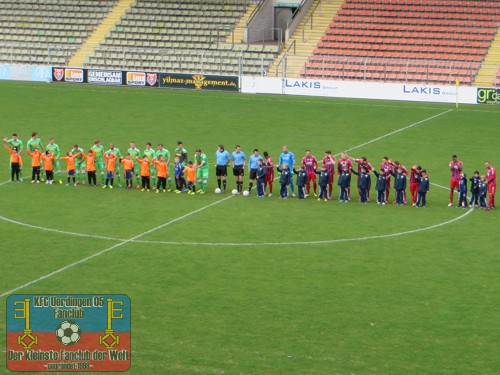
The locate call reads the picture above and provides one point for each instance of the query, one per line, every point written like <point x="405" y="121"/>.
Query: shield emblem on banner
<point x="151" y="78"/>
<point x="58" y="73"/>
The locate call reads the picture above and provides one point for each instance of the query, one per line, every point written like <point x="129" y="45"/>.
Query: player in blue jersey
<point x="253" y="166"/>
<point x="222" y="160"/>
<point x="238" y="159"/>
<point x="289" y="158"/>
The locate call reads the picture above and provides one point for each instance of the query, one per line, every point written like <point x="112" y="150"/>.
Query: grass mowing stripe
<point x="112" y="247"/>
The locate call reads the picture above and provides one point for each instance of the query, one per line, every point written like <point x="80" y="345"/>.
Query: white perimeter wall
<point x="359" y="90"/>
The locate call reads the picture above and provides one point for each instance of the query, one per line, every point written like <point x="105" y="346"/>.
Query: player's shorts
<point x="270" y="177"/>
<point x="221" y="170"/>
<point x="71" y="173"/>
<point x="99" y="165"/>
<point x="137" y="168"/>
<point x="238" y="170"/>
<point x="388" y="187"/>
<point x="492" y="188"/>
<point x="57" y="165"/>
<point x="80" y="166"/>
<point x="454" y="183"/>
<point x="128" y="174"/>
<point x="110" y="174"/>
<point x="332" y="176"/>
<point x="202" y="173"/>
<point x="311" y="177"/>
<point x="413" y="187"/>
<point x="117" y="168"/>
<point x="253" y="174"/>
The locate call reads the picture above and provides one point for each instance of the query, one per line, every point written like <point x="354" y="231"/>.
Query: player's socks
<point x="250" y="185"/>
<point x="224" y="184"/>
<point x="219" y="183"/>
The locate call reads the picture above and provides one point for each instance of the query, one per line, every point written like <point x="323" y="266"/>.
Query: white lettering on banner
<point x="104" y="77"/>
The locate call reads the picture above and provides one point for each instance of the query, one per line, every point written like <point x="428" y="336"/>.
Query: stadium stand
<point x="433" y="41"/>
<point x="184" y="35"/>
<point x="47" y="31"/>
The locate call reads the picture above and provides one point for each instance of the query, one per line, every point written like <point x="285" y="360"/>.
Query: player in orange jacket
<point x="15" y="162"/>
<point x="70" y="168"/>
<point x="128" y="166"/>
<point x="191" y="177"/>
<point x="145" y="172"/>
<point x="162" y="173"/>
<point x="35" y="165"/>
<point x="49" y="169"/>
<point x="90" y="161"/>
<point x="110" y="169"/>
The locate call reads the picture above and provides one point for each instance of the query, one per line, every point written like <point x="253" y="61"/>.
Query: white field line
<point x="112" y="247"/>
<point x="197" y="243"/>
<point x="249" y="244"/>
<point x="37" y="227"/>
<point x="200" y="209"/>
<point x="398" y="130"/>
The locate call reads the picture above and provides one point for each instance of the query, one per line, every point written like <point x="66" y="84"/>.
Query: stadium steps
<point x="306" y="38"/>
<point x="119" y="10"/>
<point x="239" y="29"/>
<point x="487" y="74"/>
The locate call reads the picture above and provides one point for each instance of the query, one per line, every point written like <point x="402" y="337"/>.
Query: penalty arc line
<point x="37" y="227"/>
<point x="130" y="240"/>
<point x="319" y="242"/>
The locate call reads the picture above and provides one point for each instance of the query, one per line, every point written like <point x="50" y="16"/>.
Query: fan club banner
<point x="68" y="333"/>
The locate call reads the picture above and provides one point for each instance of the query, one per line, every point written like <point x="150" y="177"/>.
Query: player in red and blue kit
<point x="363" y="163"/>
<point x="268" y="164"/>
<point x="388" y="168"/>
<point x="311" y="165"/>
<point x="491" y="176"/>
<point x="343" y="163"/>
<point x="397" y="165"/>
<point x="415" y="178"/>
<point x="455" y="168"/>
<point x="329" y="160"/>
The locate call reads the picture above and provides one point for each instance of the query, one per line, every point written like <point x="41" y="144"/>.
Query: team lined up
<point x="154" y="165"/>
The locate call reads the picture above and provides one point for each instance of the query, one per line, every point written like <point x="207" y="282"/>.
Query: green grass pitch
<point x="245" y="286"/>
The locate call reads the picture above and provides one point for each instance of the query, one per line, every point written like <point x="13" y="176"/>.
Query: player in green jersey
<point x="134" y="153"/>
<point x="16" y="142"/>
<point x="116" y="151"/>
<point x="201" y="164"/>
<point x="166" y="157"/>
<point x="181" y="153"/>
<point x="54" y="149"/>
<point x="36" y="143"/>
<point x="99" y="159"/>
<point x="150" y="153"/>
<point x="79" y="164"/>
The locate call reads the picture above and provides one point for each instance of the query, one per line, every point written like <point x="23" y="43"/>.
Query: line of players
<point x="261" y="171"/>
